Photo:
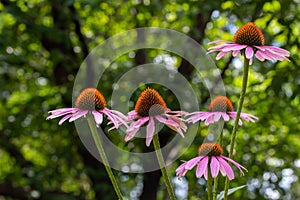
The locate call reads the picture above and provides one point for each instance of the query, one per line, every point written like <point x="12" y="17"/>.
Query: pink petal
<point x="132" y="115"/>
<point x="248" y="117"/>
<point x="240" y="167"/>
<point x="251" y="61"/>
<point x="209" y="120"/>
<point x="64" y="119"/>
<point x="134" y="127"/>
<point x="220" y="47"/>
<point x="118" y="116"/>
<point x="214" y="167"/>
<point x="226" y="167"/>
<point x="191" y="163"/>
<point x="98" y="117"/>
<point x="234" y="47"/>
<point x="217" y="116"/>
<point x="150" y="131"/>
<point x="221" y="54"/>
<point x="111" y="117"/>
<point x="78" y="115"/>
<point x="259" y="56"/>
<point x="249" y="52"/>
<point x="61" y="112"/>
<point x="235" y="53"/>
<point x="202" y="166"/>
<point x="225" y="116"/>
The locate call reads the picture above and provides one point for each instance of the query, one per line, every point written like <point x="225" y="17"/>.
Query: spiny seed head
<point x="210" y="149"/>
<point x="249" y="34"/>
<point x="220" y="104"/>
<point x="90" y="99"/>
<point x="150" y="103"/>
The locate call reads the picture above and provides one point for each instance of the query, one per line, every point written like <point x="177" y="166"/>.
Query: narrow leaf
<point x="230" y="191"/>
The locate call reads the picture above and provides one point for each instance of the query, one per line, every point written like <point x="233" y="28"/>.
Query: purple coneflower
<point x="210" y="158"/>
<point x="150" y="107"/>
<point x="219" y="107"/>
<point x="250" y="40"/>
<point x="90" y="101"/>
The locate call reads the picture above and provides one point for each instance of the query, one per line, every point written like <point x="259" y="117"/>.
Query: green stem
<point x="162" y="167"/>
<point x="98" y="142"/>
<point x="236" y="122"/>
<point x="216" y="180"/>
<point x="209" y="185"/>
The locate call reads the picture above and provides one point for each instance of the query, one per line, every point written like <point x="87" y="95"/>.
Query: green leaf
<point x="230" y="191"/>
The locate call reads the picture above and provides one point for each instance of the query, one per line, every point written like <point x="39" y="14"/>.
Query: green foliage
<point x="42" y="44"/>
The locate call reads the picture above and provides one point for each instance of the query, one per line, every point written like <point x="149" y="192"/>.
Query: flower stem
<point x="162" y="167"/>
<point x="209" y="185"/>
<point x="98" y="142"/>
<point x="216" y="181"/>
<point x="236" y="122"/>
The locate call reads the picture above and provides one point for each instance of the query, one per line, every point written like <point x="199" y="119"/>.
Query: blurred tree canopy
<point x="43" y="43"/>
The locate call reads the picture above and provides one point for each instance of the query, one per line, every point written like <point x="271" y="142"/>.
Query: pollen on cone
<point x="150" y="103"/>
<point x="210" y="149"/>
<point x="249" y="34"/>
<point x="90" y="99"/>
<point x="220" y="104"/>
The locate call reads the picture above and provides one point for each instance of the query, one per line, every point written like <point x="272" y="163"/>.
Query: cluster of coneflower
<point x="150" y="108"/>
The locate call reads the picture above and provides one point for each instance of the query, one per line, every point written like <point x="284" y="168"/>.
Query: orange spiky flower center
<point x="220" y="104"/>
<point x="249" y="34"/>
<point x="150" y="103"/>
<point x="210" y="149"/>
<point x="90" y="99"/>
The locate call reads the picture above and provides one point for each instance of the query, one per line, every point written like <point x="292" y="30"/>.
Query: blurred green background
<point x="42" y="44"/>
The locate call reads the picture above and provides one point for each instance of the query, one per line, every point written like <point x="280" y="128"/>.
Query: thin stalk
<point x="209" y="185"/>
<point x="238" y="114"/>
<point x="100" y="149"/>
<point x="216" y="180"/>
<point x="161" y="163"/>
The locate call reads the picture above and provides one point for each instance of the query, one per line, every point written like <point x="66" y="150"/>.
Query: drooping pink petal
<point x="214" y="167"/>
<point x="191" y="163"/>
<point x="222" y="169"/>
<point x="61" y="112"/>
<point x="132" y="115"/>
<point x="259" y="56"/>
<point x="217" y="116"/>
<point x="134" y="127"/>
<point x="64" y="119"/>
<point x="234" y="47"/>
<point x="227" y="168"/>
<point x="78" y="115"/>
<point x="221" y="54"/>
<point x="209" y="119"/>
<point x="111" y="117"/>
<point x="220" y="47"/>
<point x="178" y="121"/>
<point x="235" y="53"/>
<point x="251" y="61"/>
<point x="225" y="116"/>
<point x="206" y="173"/>
<point x="118" y="116"/>
<point x="150" y="131"/>
<point x="249" y="52"/>
<point x="248" y="117"/>
<point x="277" y="50"/>
<point x="202" y="167"/>
<point x="98" y="117"/>
<point x="240" y="167"/>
